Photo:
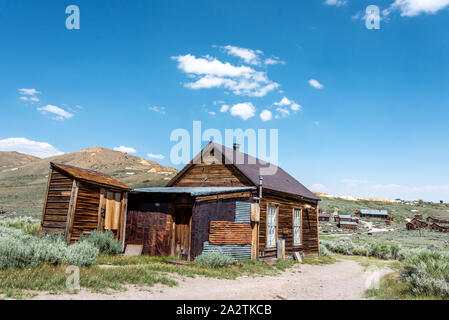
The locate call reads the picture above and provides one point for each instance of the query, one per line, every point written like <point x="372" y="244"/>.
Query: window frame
<point x="296" y="244"/>
<point x="276" y="207"/>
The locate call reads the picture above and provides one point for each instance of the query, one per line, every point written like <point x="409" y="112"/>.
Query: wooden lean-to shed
<point x="78" y="201"/>
<point x="191" y="216"/>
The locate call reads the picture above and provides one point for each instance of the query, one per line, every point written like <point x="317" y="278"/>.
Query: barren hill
<point x="22" y="183"/>
<point x="12" y="158"/>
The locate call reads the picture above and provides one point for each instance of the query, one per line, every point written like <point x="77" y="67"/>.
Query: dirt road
<point x="342" y="280"/>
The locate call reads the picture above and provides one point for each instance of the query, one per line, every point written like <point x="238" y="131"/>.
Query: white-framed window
<point x="271" y="227"/>
<point x="296" y="226"/>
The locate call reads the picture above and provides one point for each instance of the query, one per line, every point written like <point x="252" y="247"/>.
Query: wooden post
<point x="255" y="219"/>
<point x="281" y="249"/>
<point x="71" y="212"/>
<point x="125" y="215"/>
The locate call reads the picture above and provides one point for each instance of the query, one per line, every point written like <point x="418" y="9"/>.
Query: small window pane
<point x="297" y="226"/>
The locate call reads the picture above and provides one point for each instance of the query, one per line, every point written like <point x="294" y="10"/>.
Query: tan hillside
<point x="12" y="158"/>
<point x="22" y="187"/>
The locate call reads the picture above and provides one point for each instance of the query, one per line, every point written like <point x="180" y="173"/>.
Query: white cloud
<point x="411" y="8"/>
<point x="248" y="55"/>
<point x="28" y="92"/>
<point x="272" y="61"/>
<point x="283" y="111"/>
<point x="58" y="113"/>
<point x="212" y="113"/>
<point x="316" y="84"/>
<point x="160" y="110"/>
<point x="29" y="95"/>
<point x="155" y="156"/>
<point x="224" y="108"/>
<point x="284" y="102"/>
<point x="125" y="149"/>
<point x="317" y="123"/>
<point x="34" y="148"/>
<point x="212" y="73"/>
<point x="318" y="187"/>
<point x="266" y="115"/>
<point x="337" y="3"/>
<point x="243" y="110"/>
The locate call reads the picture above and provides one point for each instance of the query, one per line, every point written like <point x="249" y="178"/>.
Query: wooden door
<point x="183" y="224"/>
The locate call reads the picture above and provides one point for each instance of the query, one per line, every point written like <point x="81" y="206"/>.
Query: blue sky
<point x="359" y="112"/>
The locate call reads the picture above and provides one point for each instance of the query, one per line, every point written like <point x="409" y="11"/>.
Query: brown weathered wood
<point x="71" y="211"/>
<point x="46" y="198"/>
<point x="225" y="232"/>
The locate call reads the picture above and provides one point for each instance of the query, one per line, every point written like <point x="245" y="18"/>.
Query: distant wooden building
<point x="78" y="201"/>
<point x="416" y="224"/>
<point x="438" y="228"/>
<point x="348" y="225"/>
<point x="257" y="205"/>
<point x="346" y="218"/>
<point x="323" y="216"/>
<point x="378" y="214"/>
<point x="436" y="220"/>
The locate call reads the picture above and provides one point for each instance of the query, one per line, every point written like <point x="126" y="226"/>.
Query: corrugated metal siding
<point x="235" y="251"/>
<point x="242" y="212"/>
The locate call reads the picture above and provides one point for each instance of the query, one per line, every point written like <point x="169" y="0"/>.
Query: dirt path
<point x="342" y="280"/>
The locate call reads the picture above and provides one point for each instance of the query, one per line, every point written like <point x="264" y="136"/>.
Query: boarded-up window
<point x="113" y="209"/>
<point x="296" y="226"/>
<point x="271" y="227"/>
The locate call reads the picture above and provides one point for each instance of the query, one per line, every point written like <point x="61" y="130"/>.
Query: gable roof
<point x="374" y="212"/>
<point x="92" y="176"/>
<point x="251" y="168"/>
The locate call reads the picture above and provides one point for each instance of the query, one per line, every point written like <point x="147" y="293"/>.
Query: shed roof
<point x="251" y="168"/>
<point x="374" y="212"/>
<point x="349" y="223"/>
<point x="344" y="216"/>
<point x="92" y="176"/>
<point x="194" y="191"/>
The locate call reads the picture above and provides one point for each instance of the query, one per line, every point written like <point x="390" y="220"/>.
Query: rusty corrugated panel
<point x="242" y="212"/>
<point x="235" y="251"/>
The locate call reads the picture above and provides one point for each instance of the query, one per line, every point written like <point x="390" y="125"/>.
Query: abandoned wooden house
<point x="323" y="216"/>
<point x="434" y="227"/>
<point x="78" y="201"/>
<point x="348" y="225"/>
<point x="436" y="220"/>
<point x="347" y="218"/>
<point x="378" y="214"/>
<point x="224" y="200"/>
<point x="416" y="224"/>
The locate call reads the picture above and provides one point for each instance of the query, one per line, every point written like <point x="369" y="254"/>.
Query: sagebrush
<point x="214" y="259"/>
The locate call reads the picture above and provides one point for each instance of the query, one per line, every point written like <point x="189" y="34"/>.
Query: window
<point x="271" y="227"/>
<point x="296" y="227"/>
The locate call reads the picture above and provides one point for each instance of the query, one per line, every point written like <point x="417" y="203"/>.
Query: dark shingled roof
<point x="87" y="175"/>
<point x="251" y="168"/>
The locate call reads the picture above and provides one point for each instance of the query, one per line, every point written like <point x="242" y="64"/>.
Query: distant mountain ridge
<point x="13" y="158"/>
<point x="23" y="178"/>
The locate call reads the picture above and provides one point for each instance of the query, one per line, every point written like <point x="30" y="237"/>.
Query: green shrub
<point x="82" y="253"/>
<point x="23" y="251"/>
<point x="103" y="241"/>
<point x="214" y="259"/>
<point x="428" y="273"/>
<point x="14" y="253"/>
<point x="324" y="251"/>
<point x="31" y="229"/>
